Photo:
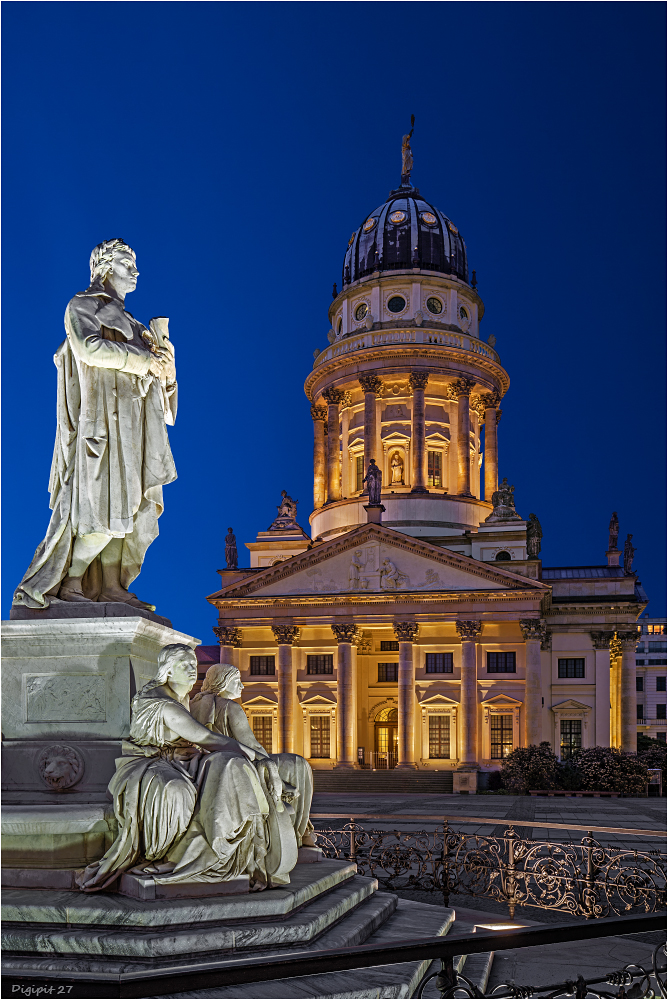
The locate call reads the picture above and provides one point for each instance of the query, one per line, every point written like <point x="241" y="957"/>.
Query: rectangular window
<point x="388" y="672"/>
<point x="262" y="731"/>
<point x="262" y="665"/>
<point x="434" y="468"/>
<point x="660" y="711"/>
<point x="571" y="667"/>
<point x="656" y="629"/>
<point x="571" y="737"/>
<point x="438" y="663"/>
<point x="656" y="647"/>
<point x="641" y="663"/>
<point x="501" y="735"/>
<point x="640" y="686"/>
<point x="322" y="663"/>
<point x="389" y="646"/>
<point x="656" y="663"/>
<point x="640" y="711"/>
<point x="359" y="473"/>
<point x="640" y="648"/>
<point x="661" y="684"/>
<point x="319" y="736"/>
<point x="501" y="663"/>
<point x="439" y="736"/>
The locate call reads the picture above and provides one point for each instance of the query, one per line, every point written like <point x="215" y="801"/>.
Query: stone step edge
<point x="100" y="944"/>
<point x="49" y="906"/>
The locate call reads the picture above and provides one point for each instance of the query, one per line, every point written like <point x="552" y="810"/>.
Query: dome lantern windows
<point x="429" y="219"/>
<point x="398" y="217"/>
<point x="396" y="303"/>
<point x="369" y="225"/>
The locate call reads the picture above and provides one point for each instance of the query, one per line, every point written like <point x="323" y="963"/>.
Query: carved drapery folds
<point x="406" y="631"/>
<point x="285" y="635"/>
<point x="345" y="633"/>
<point x="228" y="635"/>
<point x="534" y="629"/>
<point x="469" y="630"/>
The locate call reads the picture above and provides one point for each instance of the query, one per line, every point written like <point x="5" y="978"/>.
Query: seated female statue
<point x="214" y="708"/>
<point x="192" y="805"/>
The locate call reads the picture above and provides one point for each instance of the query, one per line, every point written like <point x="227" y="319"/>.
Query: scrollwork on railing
<point x="584" y="879"/>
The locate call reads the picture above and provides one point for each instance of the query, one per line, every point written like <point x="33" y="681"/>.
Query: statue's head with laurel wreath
<point x="114" y="263"/>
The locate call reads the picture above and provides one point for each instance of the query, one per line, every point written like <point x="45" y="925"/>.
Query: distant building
<point x="651" y="677"/>
<point x="421" y="631"/>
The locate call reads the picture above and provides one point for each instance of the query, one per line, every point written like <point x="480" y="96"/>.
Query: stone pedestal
<point x="67" y="685"/>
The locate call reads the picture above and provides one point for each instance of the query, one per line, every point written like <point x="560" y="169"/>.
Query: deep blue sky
<point x="235" y="146"/>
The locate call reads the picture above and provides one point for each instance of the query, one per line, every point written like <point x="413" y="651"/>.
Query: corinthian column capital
<point x="228" y="635"/>
<point x="469" y="630"/>
<point x="628" y="640"/>
<point x="371" y="383"/>
<point x="490" y="400"/>
<point x="601" y="640"/>
<point x="534" y="629"/>
<point x="406" y="631"/>
<point x="285" y="635"/>
<point x="333" y="395"/>
<point x="319" y="412"/>
<point x="346" y="632"/>
<point x="418" y="380"/>
<point x="462" y="386"/>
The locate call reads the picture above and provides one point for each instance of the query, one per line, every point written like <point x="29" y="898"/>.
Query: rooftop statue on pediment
<point x="287" y="513"/>
<point x="503" y="501"/>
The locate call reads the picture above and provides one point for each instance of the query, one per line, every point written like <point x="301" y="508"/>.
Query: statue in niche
<point x="390" y="577"/>
<point x="215" y="708"/>
<point x="613" y="531"/>
<point x="231" y="555"/>
<point x="629" y="552"/>
<point x="397" y="467"/>
<point x="354" y="572"/>
<point x="116" y="392"/>
<point x="287" y="513"/>
<point x="193" y="805"/>
<point x="534" y="535"/>
<point x="373" y="480"/>
<point x="407" y="155"/>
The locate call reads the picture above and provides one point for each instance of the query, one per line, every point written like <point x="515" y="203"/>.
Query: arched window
<point x="388" y="715"/>
<point x="502" y="556"/>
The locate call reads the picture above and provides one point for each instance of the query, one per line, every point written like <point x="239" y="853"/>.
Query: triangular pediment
<point x="570" y="705"/>
<point x="373" y="559"/>
<point x="320" y="699"/>
<point x="261" y="701"/>
<point x="435" y="699"/>
<point x="501" y="701"/>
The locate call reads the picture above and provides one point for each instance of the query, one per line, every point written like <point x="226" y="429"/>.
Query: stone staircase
<point x="383" y="782"/>
<point x="326" y="905"/>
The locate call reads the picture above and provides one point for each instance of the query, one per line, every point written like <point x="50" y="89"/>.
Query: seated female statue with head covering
<point x="214" y="708"/>
<point x="192" y="805"/>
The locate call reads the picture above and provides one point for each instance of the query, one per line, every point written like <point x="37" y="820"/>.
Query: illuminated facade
<point x="424" y="632"/>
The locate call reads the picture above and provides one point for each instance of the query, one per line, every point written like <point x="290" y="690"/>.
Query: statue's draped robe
<point x="224" y="716"/>
<point x="203" y="817"/>
<point x="111" y="456"/>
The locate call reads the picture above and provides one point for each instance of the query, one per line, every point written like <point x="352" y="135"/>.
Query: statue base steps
<point x="144" y="887"/>
<point x="89" y="609"/>
<point x="96" y="937"/>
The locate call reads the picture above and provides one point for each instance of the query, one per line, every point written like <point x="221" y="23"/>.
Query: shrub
<point x="607" y="769"/>
<point x="494" y="782"/>
<point x="652" y="753"/>
<point x="530" y="767"/>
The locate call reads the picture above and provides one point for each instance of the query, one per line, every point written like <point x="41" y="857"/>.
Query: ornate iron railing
<point x="584" y="879"/>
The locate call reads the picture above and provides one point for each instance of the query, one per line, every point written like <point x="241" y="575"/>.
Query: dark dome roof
<point x="403" y="233"/>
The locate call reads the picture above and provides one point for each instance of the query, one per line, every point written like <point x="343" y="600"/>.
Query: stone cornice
<point x="370" y="532"/>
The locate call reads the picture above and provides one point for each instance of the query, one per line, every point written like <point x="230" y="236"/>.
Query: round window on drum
<point x="361" y="311"/>
<point x="396" y="304"/>
<point x="434" y="305"/>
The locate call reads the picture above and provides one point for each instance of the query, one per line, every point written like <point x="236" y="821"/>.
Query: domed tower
<point x="406" y="380"/>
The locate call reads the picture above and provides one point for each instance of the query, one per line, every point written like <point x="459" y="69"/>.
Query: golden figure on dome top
<point x="407" y="155"/>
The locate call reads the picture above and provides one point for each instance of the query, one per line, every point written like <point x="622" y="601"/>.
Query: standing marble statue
<point x="192" y="804"/>
<point x="216" y="709"/>
<point x="231" y="555"/>
<point x="629" y="553"/>
<point x="613" y="531"/>
<point x="534" y="535"/>
<point x="373" y="479"/>
<point x="397" y="467"/>
<point x="116" y="392"/>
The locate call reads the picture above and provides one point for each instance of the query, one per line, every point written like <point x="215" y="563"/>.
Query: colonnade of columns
<point x="327" y="448"/>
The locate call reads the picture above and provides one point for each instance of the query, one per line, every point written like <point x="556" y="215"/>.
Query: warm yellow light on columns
<point x="490" y="402"/>
<point x="462" y="389"/>
<point x="345" y="696"/>
<point x="629" y="720"/>
<point x="406" y="633"/>
<point x="285" y="636"/>
<point x="469" y="632"/>
<point x="229" y="638"/>
<point x="534" y="632"/>
<point x="319" y="414"/>
<point x="418" y="381"/>
<point x="333" y="397"/>
<point x="372" y="387"/>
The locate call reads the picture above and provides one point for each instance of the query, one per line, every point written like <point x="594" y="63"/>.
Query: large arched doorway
<point x="386" y="739"/>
